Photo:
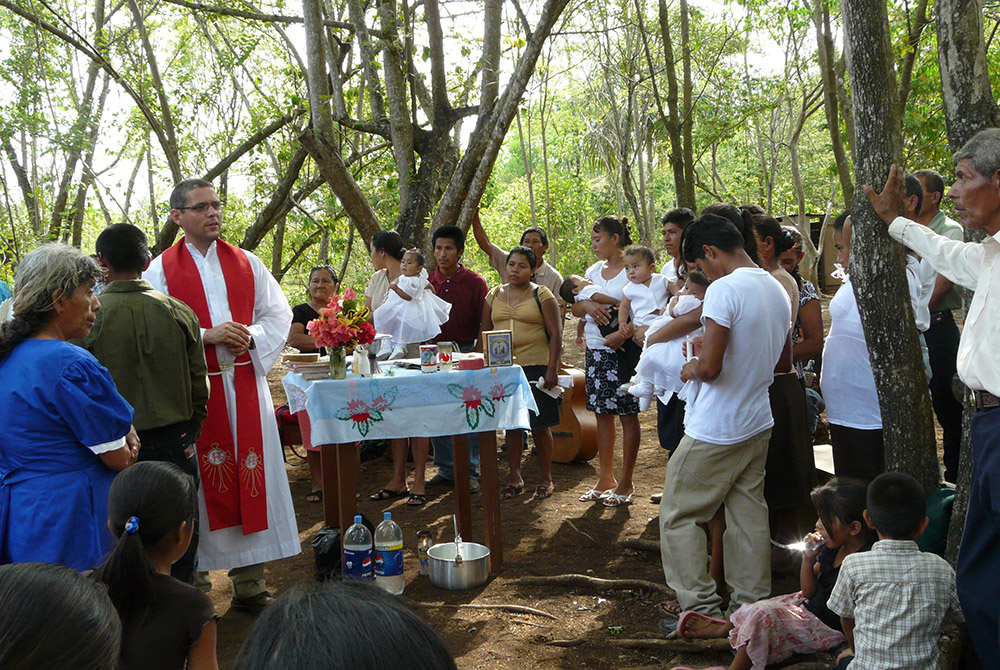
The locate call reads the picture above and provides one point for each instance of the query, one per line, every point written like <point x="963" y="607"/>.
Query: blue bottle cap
<point x="357" y="519"/>
<point x="386" y="515"/>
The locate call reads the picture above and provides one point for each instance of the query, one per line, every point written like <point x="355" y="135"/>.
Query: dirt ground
<point x="552" y="537"/>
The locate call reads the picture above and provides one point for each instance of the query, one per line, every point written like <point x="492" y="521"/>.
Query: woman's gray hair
<point x="49" y="269"/>
<point x="983" y="150"/>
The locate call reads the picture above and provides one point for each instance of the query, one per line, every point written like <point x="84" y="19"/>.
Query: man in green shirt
<point x="942" y="336"/>
<point x="151" y="344"/>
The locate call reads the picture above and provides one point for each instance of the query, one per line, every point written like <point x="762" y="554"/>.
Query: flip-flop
<point x="687" y="617"/>
<point x="416" y="499"/>
<point x="617" y="500"/>
<point x="387" y="494"/>
<point x="314" y="497"/>
<point x="543" y="491"/>
<point x="593" y="495"/>
<point x="673" y="607"/>
<point x="509" y="491"/>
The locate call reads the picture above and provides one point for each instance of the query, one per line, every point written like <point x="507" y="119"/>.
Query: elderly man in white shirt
<point x="976" y="266"/>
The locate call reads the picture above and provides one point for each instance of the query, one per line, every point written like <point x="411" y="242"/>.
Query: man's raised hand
<point x="889" y="203"/>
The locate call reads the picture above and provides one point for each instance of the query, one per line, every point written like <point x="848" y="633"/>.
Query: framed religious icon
<point x="497" y="348"/>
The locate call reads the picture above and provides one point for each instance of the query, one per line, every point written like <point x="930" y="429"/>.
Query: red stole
<point x="230" y="500"/>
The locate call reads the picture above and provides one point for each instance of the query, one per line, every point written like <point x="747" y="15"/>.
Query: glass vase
<point x="338" y="363"/>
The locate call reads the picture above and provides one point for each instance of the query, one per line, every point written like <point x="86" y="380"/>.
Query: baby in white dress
<point x="659" y="370"/>
<point x="411" y="313"/>
<point x="646" y="294"/>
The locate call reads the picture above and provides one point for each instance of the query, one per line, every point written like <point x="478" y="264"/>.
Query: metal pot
<point x="473" y="571"/>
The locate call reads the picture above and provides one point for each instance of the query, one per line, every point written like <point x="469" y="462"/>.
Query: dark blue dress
<point x="56" y="404"/>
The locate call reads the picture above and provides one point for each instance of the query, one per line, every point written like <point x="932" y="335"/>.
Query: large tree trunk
<point x="673" y="118"/>
<point x="877" y="263"/>
<point x="965" y="84"/>
<point x="687" y="119"/>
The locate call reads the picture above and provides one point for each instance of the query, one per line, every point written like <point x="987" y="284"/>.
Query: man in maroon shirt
<point x="466" y="291"/>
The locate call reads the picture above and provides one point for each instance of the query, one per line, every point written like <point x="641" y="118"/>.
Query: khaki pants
<point x="248" y="581"/>
<point x="700" y="477"/>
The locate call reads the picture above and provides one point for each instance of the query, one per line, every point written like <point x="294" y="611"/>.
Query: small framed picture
<point x="497" y="348"/>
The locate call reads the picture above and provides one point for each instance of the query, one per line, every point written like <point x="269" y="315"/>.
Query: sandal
<point x="672" y="607"/>
<point x="593" y="495"/>
<point x="416" y="499"/>
<point x="509" y="491"/>
<point x="543" y="491"/>
<point x="314" y="497"/>
<point x="689" y="617"/>
<point x="617" y="500"/>
<point x="387" y="494"/>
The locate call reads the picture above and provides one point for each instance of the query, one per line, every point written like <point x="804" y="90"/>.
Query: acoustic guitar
<point x="574" y="439"/>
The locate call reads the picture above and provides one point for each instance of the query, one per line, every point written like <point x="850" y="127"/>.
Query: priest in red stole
<point x="245" y="507"/>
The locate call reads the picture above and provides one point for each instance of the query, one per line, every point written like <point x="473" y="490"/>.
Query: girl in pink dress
<point x="769" y="631"/>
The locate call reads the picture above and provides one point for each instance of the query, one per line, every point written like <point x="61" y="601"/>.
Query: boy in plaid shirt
<point x="893" y="599"/>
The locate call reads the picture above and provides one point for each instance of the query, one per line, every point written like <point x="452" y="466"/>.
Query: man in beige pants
<point x="720" y="460"/>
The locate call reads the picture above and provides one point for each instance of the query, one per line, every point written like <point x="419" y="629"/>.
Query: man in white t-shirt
<point x="720" y="460"/>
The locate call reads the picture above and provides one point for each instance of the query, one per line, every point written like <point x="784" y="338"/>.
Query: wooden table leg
<point x="331" y="487"/>
<point x="340" y="483"/>
<point x="489" y="487"/>
<point x="463" y="499"/>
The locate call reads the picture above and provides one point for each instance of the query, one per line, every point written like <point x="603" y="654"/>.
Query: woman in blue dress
<point x="65" y="429"/>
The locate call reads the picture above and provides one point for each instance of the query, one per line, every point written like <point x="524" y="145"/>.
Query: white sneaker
<point x="398" y="352"/>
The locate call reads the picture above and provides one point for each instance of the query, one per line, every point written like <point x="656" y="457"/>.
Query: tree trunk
<point x="24" y="183"/>
<point x="687" y="120"/>
<point x="965" y="84"/>
<point x="673" y="120"/>
<point x="877" y="263"/>
<point x="526" y="157"/>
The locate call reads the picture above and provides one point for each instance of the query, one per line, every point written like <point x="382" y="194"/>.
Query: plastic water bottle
<point x="358" y="564"/>
<point x="389" y="555"/>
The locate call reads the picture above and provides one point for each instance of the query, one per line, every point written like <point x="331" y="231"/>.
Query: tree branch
<point x="258" y="16"/>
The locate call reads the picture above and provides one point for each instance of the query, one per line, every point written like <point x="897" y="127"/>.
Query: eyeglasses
<point x="203" y="206"/>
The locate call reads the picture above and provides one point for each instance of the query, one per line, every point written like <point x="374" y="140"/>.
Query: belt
<point x="985" y="400"/>
<point x="941" y="316"/>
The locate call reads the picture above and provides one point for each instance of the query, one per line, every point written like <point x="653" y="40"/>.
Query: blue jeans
<point x="445" y="461"/>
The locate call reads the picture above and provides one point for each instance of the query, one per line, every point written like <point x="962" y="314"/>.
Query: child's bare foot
<point x="694" y="625"/>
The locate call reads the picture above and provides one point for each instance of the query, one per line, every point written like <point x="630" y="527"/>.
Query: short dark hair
<point x="679" y="216"/>
<point x="896" y="505"/>
<point x="527" y="252"/>
<point x="566" y="290"/>
<point x="914" y="189"/>
<point x="710" y="230"/>
<point x="416" y="252"/>
<point x="317" y="268"/>
<point x="698" y="277"/>
<point x="840" y="221"/>
<point x="124" y="247"/>
<point x="538" y="231"/>
<point x="614" y="225"/>
<point x="453" y="233"/>
<point x="844" y="499"/>
<point x="932" y="181"/>
<point x="178" y="197"/>
<point x="643" y="252"/>
<point x="52" y="618"/>
<point x="341" y="625"/>
<point x="390" y="242"/>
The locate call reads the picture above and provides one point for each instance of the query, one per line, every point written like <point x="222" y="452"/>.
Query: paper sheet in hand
<point x="563" y="382"/>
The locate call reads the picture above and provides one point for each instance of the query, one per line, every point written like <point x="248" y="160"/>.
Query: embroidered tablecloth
<point x="412" y="404"/>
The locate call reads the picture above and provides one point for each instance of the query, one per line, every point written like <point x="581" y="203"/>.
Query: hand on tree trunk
<point x="889" y="203"/>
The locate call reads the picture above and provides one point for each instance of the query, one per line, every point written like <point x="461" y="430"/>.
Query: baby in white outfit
<point x="411" y="313"/>
<point x="659" y="370"/>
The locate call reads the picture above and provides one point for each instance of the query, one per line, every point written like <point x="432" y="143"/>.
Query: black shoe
<point x="439" y="480"/>
<point x="253" y="605"/>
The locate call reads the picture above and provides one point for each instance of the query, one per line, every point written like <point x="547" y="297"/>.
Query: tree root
<point x="575" y="642"/>
<point x="673" y="644"/>
<point x="587" y="535"/>
<point x="596" y="583"/>
<point x="515" y="609"/>
<point x="641" y="545"/>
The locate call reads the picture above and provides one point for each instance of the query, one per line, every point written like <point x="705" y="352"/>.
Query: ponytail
<point x="614" y="225"/>
<point x="743" y="220"/>
<point x="147" y="501"/>
<point x="19" y="328"/>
